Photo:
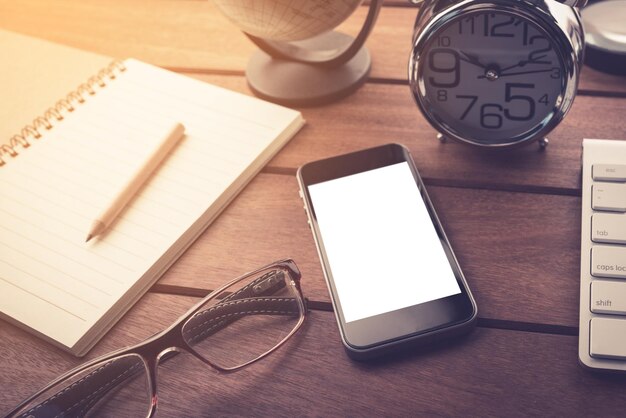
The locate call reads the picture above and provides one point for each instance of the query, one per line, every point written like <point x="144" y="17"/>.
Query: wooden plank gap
<point x="527" y="326"/>
<point x="460" y="184"/>
<point x="315" y="305"/>
<point x="168" y="289"/>
<point x="600" y="93"/>
<point x="391" y="81"/>
<point x="502" y="187"/>
<point x="286" y="171"/>
<point x="396" y="4"/>
<point x="204" y="71"/>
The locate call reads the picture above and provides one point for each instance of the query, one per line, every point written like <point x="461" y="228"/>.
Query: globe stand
<point x="313" y="71"/>
<point x="301" y="84"/>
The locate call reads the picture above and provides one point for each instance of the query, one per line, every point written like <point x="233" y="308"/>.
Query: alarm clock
<point x="496" y="73"/>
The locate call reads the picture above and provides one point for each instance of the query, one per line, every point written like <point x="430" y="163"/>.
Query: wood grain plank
<point x="194" y="35"/>
<point x="489" y="373"/>
<point x="28" y="363"/>
<point x="520" y="252"/>
<point x="265" y="223"/>
<point x="379" y="114"/>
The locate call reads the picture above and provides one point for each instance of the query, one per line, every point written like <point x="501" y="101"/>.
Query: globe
<point x="301" y="60"/>
<point x="286" y="20"/>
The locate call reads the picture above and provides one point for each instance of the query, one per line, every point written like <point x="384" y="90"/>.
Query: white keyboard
<point x="602" y="340"/>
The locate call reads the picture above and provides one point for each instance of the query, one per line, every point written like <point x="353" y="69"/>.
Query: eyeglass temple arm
<point x="77" y="399"/>
<point x="248" y="300"/>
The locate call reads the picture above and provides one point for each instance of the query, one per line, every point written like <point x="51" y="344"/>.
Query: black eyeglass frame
<point x="171" y="339"/>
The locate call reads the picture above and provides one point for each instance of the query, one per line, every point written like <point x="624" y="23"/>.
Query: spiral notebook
<point x="74" y="122"/>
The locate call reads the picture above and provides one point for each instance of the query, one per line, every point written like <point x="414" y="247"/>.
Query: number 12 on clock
<point x="492" y="74"/>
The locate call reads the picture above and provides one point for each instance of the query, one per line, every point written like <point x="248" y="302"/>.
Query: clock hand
<point x="523" y="62"/>
<point x="519" y="73"/>
<point x="472" y="59"/>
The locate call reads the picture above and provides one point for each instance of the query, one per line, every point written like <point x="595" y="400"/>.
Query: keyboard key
<point x="607" y="261"/>
<point x="608" y="196"/>
<point x="608" y="297"/>
<point x="608" y="338"/>
<point x="609" y="172"/>
<point x="602" y="313"/>
<point x="608" y="227"/>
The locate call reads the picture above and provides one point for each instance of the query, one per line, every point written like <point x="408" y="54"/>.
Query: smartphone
<point x="392" y="275"/>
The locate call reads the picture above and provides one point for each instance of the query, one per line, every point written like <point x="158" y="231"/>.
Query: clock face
<point x="491" y="77"/>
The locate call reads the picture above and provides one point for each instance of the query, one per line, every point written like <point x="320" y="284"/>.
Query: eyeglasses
<point x="233" y="327"/>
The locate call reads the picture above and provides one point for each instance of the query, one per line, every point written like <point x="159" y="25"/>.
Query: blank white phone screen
<point x="382" y="248"/>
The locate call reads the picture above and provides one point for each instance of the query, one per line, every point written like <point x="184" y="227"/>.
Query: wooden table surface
<point x="513" y="219"/>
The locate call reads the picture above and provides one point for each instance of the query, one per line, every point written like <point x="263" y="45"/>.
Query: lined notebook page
<point x="58" y="285"/>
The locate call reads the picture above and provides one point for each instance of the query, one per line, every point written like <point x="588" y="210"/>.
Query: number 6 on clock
<point x="496" y="73"/>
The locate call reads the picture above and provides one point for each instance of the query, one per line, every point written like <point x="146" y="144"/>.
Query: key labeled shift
<point x="608" y="297"/>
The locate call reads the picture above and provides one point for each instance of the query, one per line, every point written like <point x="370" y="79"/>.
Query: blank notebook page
<point x="54" y="282"/>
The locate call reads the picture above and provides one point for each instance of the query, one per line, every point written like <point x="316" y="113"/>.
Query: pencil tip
<point x="90" y="236"/>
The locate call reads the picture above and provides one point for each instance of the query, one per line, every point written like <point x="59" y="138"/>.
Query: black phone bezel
<point x="374" y="335"/>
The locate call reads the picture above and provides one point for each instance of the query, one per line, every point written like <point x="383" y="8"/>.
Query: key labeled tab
<point x="609" y="228"/>
<point x="607" y="261"/>
<point x="608" y="297"/>
<point x="608" y="338"/>
<point x="609" y="172"/>
<point x="608" y="196"/>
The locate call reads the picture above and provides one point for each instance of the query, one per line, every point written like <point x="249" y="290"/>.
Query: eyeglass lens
<point x="117" y="387"/>
<point x="245" y="321"/>
<point x="238" y="325"/>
